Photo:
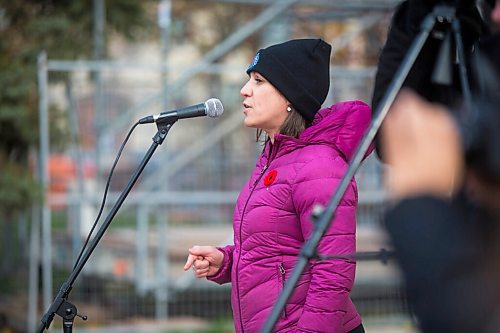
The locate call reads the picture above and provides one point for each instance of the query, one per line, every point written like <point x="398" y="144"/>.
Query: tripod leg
<point x="464" y="80"/>
<point x="310" y="246"/>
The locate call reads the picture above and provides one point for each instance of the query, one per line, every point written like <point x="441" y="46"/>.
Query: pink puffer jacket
<point x="272" y="221"/>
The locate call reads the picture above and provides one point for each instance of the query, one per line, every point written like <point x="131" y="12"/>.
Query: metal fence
<point x="185" y="195"/>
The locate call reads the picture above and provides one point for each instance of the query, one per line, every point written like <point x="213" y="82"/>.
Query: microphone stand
<point x="61" y="306"/>
<point x="323" y="216"/>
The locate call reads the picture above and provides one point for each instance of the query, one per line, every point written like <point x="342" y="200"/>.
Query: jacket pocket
<point x="281" y="281"/>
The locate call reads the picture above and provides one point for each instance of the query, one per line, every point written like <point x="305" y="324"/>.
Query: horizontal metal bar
<point x="96" y="65"/>
<point x="183" y="197"/>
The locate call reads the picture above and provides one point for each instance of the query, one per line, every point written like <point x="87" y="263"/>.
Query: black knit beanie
<point x="300" y="70"/>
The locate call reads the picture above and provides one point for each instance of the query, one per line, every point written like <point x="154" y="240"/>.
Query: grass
<point x="60" y="220"/>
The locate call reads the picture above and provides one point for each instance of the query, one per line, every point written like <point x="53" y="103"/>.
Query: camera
<point x="477" y="116"/>
<point x="480" y="122"/>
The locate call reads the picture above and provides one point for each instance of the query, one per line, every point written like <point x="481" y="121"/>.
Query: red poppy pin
<point x="270" y="177"/>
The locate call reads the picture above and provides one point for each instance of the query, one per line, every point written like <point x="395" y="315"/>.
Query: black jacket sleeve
<point x="439" y="258"/>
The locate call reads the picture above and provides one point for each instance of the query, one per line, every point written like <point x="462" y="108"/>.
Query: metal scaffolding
<point x="368" y="13"/>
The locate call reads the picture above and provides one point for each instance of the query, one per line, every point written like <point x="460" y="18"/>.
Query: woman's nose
<point x="245" y="90"/>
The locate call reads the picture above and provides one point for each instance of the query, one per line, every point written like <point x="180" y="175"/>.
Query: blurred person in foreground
<point x="445" y="222"/>
<point x="444" y="181"/>
<point x="304" y="158"/>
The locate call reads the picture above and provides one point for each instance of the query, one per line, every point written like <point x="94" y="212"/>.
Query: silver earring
<point x="289" y="109"/>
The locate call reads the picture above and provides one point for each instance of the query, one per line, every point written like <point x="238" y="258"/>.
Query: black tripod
<point x="443" y="14"/>
<point x="61" y="306"/>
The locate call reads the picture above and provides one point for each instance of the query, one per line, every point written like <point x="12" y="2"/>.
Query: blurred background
<point x="76" y="75"/>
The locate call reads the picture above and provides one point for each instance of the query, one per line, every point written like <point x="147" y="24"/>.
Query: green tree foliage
<point x="64" y="29"/>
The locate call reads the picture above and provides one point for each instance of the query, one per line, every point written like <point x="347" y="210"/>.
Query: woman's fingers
<point x="189" y="262"/>
<point x="201" y="268"/>
<point x="192" y="257"/>
<point x="199" y="265"/>
<point x="205" y="260"/>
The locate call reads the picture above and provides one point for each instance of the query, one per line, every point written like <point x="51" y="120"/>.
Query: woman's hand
<point x="205" y="260"/>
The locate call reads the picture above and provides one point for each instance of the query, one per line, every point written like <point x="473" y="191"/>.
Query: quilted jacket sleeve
<point x="331" y="280"/>
<point x="224" y="273"/>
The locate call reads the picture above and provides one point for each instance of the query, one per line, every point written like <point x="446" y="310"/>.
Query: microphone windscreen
<point x="214" y="107"/>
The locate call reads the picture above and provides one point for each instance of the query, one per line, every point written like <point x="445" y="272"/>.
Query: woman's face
<point x="263" y="105"/>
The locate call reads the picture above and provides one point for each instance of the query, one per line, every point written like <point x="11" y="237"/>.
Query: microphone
<point x="212" y="108"/>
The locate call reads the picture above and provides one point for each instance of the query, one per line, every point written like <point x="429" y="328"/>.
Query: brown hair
<point x="293" y="125"/>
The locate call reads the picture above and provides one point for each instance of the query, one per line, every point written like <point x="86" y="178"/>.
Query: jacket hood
<point x="341" y="125"/>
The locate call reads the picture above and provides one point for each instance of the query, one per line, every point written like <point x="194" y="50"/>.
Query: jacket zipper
<point x="260" y="176"/>
<point x="241" y="227"/>
<point x="282" y="271"/>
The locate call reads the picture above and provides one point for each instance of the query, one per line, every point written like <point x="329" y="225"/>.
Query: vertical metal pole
<point x="99" y="24"/>
<point x="44" y="178"/>
<point x="164" y="20"/>
<point x="141" y="247"/>
<point x="162" y="278"/>
<point x="99" y="27"/>
<point x="33" y="268"/>
<point x="76" y="215"/>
